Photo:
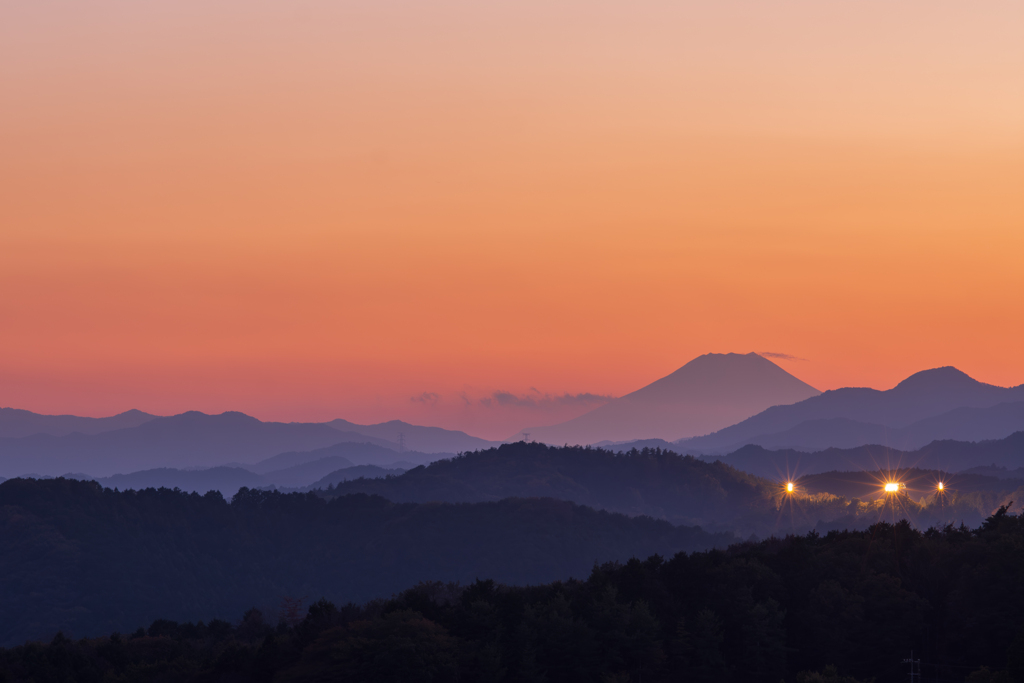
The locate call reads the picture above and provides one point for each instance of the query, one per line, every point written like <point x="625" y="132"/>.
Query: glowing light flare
<point x="940" y="486"/>
<point x="892" y="487"/>
<point x="790" y="487"/>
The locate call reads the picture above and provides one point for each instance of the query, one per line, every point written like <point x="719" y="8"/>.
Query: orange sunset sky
<point x="393" y="209"/>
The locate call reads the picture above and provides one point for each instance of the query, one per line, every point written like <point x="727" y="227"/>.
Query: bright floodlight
<point x="892" y="487"/>
<point x="941" y="486"/>
<point x="789" y="487"/>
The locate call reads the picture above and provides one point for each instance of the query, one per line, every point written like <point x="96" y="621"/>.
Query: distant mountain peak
<point x="227" y="416"/>
<point x="709" y="392"/>
<point x="135" y="412"/>
<point x="944" y="378"/>
<point x="721" y="375"/>
<point x="729" y="357"/>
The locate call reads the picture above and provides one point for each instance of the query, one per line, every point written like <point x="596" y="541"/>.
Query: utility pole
<point x="915" y="668"/>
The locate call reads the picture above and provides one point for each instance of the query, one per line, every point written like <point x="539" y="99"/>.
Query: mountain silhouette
<point x="306" y="473"/>
<point x="133" y="441"/>
<point x="16" y="423"/>
<point x="354" y="472"/>
<point x="996" y="471"/>
<point x="948" y="456"/>
<point x="708" y="393"/>
<point x="354" y="452"/>
<point x="192" y="439"/>
<point x="683" y="490"/>
<point x="960" y="424"/>
<point x="851" y="414"/>
<point x="416" y="437"/>
<point x="227" y="480"/>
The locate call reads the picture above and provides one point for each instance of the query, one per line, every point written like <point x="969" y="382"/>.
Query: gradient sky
<point x="488" y="215"/>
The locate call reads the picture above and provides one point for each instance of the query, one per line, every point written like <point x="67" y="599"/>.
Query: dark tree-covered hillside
<point x="88" y="560"/>
<point x="681" y="489"/>
<point x="662" y="484"/>
<point x="840" y="608"/>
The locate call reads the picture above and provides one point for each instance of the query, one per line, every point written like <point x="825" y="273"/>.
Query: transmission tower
<point x="915" y="668"/>
<point x="526" y="437"/>
<point x="401" y="442"/>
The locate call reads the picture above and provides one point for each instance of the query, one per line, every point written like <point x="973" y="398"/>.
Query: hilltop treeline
<point x="808" y="609"/>
<point x="89" y="560"/>
<point x="654" y="482"/>
<point x="679" y="488"/>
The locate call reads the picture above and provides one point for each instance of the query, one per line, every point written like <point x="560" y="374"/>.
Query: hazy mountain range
<point x="943" y="403"/>
<point x="747" y="398"/>
<point x="754" y="401"/>
<point x="294" y="470"/>
<point x="961" y="424"/>
<point x="415" y="437"/>
<point x="194" y="439"/>
<point x="15" y="423"/>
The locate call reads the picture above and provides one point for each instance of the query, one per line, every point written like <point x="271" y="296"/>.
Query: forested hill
<point x="949" y="456"/>
<point x="78" y="557"/>
<point x="681" y="489"/>
<point x="840" y="608"/>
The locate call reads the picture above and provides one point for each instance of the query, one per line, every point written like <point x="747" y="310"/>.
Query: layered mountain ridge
<point x="941" y="403"/>
<point x="768" y="407"/>
<point x="195" y="439"/>
<point x="16" y="423"/>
